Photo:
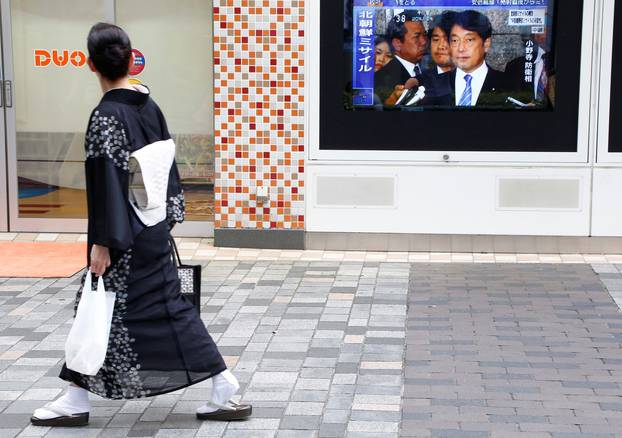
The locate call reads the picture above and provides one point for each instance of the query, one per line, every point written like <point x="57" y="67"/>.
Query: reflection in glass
<point x="53" y="96"/>
<point x="176" y="41"/>
<point x="55" y="92"/>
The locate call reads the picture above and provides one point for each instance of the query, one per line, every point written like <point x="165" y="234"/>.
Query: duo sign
<point x="77" y="58"/>
<point x="43" y="58"/>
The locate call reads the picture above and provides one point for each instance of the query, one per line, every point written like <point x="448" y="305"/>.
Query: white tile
<point x="47" y="237"/>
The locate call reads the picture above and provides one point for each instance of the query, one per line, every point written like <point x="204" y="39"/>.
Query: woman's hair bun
<point x="110" y="50"/>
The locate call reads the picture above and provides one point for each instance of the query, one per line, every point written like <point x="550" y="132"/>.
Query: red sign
<point x="139" y="63"/>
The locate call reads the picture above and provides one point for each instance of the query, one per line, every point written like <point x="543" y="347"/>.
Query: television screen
<point x="452" y="55"/>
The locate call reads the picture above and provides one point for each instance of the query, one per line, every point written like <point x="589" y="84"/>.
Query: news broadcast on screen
<point x="419" y="55"/>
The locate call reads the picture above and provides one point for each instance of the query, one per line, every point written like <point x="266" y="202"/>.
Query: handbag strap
<point x="176" y="256"/>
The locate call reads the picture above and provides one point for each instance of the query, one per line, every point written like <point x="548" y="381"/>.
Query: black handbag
<point x="189" y="277"/>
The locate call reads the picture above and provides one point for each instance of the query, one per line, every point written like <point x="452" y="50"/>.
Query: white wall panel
<point x="451" y="200"/>
<point x="607" y="202"/>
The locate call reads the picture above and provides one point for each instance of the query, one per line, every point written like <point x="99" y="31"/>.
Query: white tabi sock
<point x="224" y="386"/>
<point x="74" y="401"/>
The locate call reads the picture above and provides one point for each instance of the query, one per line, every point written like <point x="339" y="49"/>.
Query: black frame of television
<point x="553" y="130"/>
<point x="615" y="110"/>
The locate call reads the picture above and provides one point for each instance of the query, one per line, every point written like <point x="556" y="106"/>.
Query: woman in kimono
<point x="158" y="342"/>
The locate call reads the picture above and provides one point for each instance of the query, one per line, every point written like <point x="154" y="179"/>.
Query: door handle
<point x="8" y="94"/>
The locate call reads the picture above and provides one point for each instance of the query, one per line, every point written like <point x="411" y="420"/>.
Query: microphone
<point x="516" y="102"/>
<point x="412" y="96"/>
<point x="419" y="96"/>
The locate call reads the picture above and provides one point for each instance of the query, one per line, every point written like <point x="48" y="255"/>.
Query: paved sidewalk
<point x="360" y="349"/>
<point x="513" y="350"/>
<point x="203" y="250"/>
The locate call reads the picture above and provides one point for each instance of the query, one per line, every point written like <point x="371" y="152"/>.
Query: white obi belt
<point x="150" y="167"/>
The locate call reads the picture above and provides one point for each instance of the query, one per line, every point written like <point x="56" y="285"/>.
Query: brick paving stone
<point x="73" y="432"/>
<point x="296" y="434"/>
<point x="244" y="434"/>
<point x="305" y="408"/>
<point x="527" y="350"/>
<point x="301" y="422"/>
<point x="360" y="349"/>
<point x="332" y="430"/>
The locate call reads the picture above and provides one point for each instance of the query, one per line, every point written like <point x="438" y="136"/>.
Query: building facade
<point x="274" y="153"/>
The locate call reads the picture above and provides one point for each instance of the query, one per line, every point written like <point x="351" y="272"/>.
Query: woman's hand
<point x="100" y="259"/>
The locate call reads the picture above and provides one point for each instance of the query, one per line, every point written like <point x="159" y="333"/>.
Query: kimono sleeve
<point x="175" y="201"/>
<point x="107" y="180"/>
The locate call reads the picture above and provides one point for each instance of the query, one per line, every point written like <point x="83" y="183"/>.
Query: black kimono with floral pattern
<point x="158" y="342"/>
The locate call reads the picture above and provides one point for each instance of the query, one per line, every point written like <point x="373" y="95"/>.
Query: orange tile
<point x="41" y="259"/>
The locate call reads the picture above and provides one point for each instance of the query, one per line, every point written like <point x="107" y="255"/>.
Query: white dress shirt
<point x="409" y="66"/>
<point x="539" y="68"/>
<point x="479" y="77"/>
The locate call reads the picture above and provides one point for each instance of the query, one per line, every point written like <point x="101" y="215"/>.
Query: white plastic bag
<point x="87" y="342"/>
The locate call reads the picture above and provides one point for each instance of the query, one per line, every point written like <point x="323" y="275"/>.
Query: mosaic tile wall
<point x="259" y="112"/>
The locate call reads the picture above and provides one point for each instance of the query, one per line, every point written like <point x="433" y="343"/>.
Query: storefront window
<point x="54" y="94"/>
<point x="175" y="40"/>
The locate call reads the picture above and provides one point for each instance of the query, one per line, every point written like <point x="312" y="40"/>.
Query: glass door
<point x="51" y="94"/>
<point x="4" y="200"/>
<point x="173" y="42"/>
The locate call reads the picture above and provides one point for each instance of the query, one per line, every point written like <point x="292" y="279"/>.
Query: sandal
<point x="64" y="419"/>
<point x="227" y="412"/>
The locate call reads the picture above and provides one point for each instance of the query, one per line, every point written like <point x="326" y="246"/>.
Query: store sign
<point x="77" y="59"/>
<point x="139" y="63"/>
<point x="59" y="58"/>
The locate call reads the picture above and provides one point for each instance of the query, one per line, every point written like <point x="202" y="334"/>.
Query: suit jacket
<point x="493" y="93"/>
<point x="437" y="86"/>
<point x="518" y="87"/>
<point x="388" y="77"/>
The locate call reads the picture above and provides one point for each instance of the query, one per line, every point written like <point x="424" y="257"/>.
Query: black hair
<point x="474" y="21"/>
<point x="397" y="25"/>
<point x="110" y="50"/>
<point x="380" y="40"/>
<point x="444" y="22"/>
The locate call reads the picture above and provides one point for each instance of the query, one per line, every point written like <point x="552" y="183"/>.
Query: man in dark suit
<point x="529" y="75"/>
<point x="408" y="39"/>
<point x="438" y="34"/>
<point x="473" y="82"/>
<point x="440" y="29"/>
<point x="493" y="91"/>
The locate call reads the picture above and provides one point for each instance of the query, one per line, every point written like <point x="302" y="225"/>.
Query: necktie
<point x="542" y="83"/>
<point x="416" y="70"/>
<point x="465" y="100"/>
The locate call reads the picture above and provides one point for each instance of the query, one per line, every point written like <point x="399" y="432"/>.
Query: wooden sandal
<point x="227" y="412"/>
<point x="64" y="419"/>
